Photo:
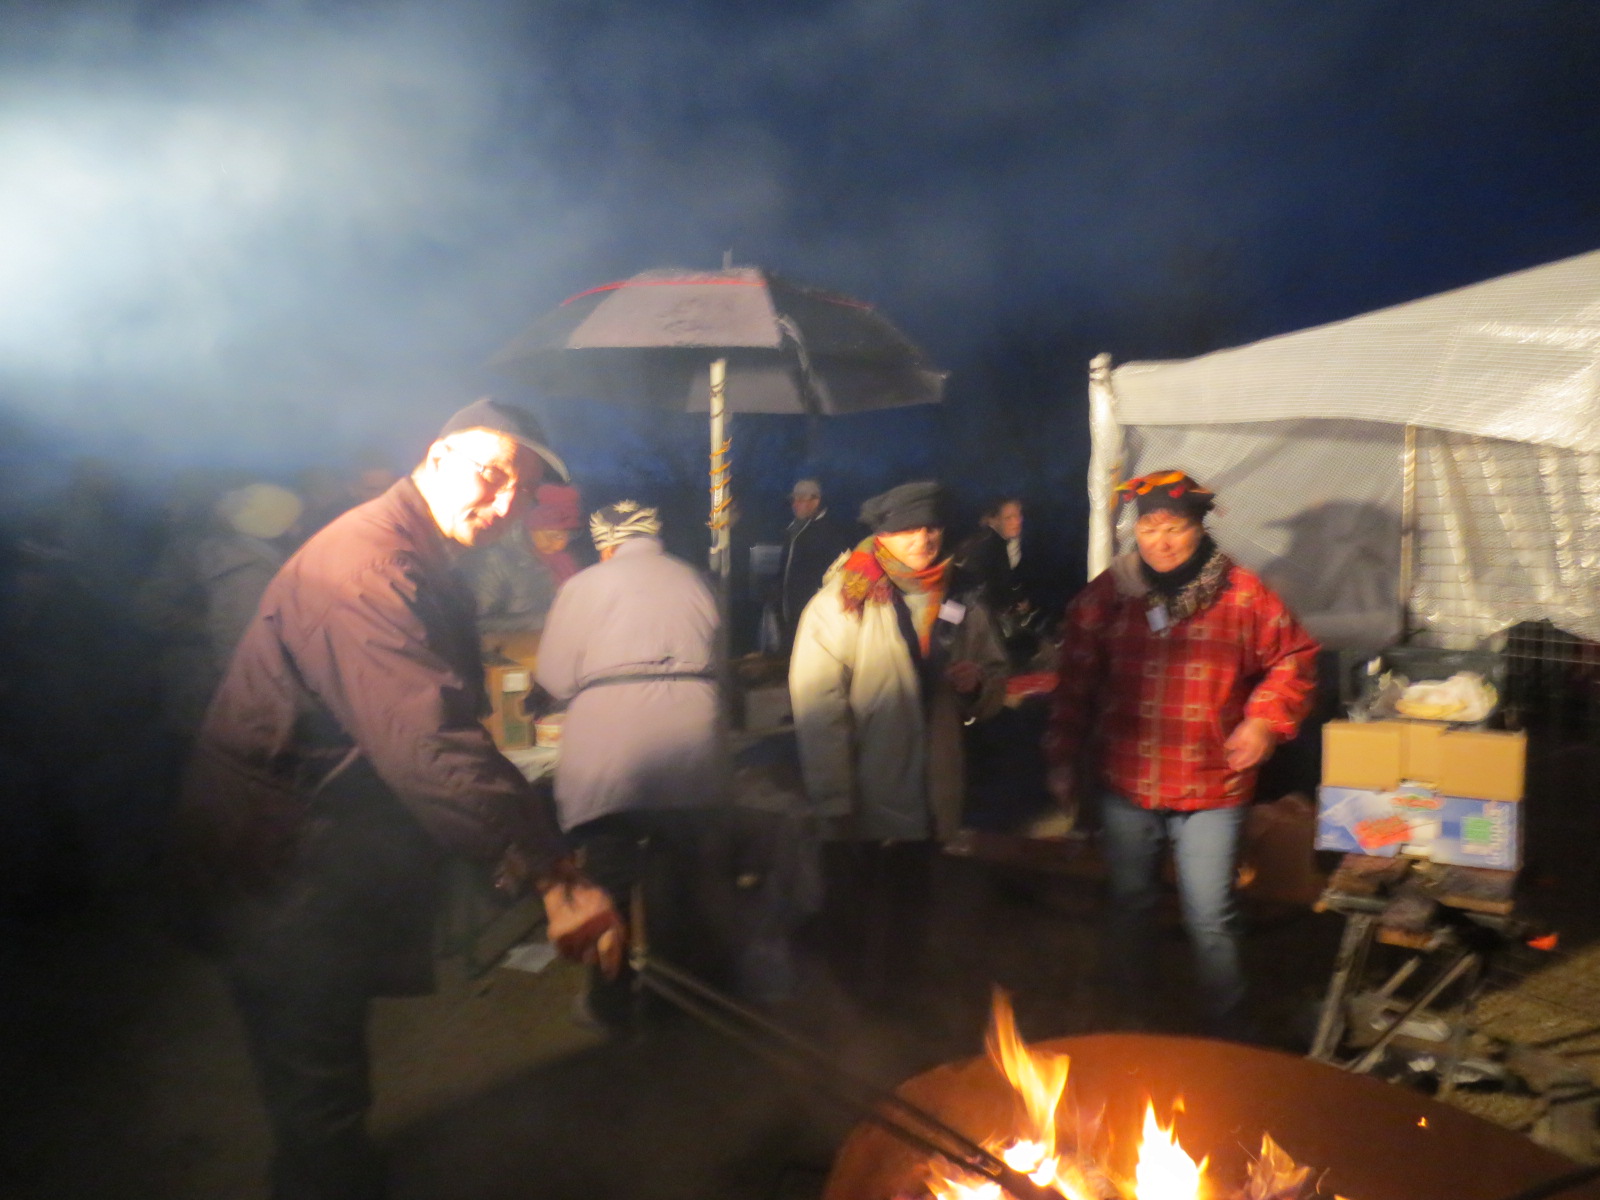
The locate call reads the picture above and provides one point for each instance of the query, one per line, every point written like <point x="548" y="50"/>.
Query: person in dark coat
<point x="341" y="757"/>
<point x="630" y="647"/>
<point x="991" y="561"/>
<point x="811" y="544"/>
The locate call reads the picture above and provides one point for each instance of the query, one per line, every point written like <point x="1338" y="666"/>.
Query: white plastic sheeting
<point x="1301" y="437"/>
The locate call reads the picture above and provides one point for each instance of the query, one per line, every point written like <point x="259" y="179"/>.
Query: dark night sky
<point x="274" y="232"/>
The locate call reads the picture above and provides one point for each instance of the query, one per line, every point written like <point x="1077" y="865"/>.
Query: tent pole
<point x="1105" y="464"/>
<point x="1408" y="529"/>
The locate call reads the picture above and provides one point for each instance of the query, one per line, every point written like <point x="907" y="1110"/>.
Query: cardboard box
<point x="1363" y="754"/>
<point x="1422" y="823"/>
<point x="1483" y="764"/>
<point x="1381" y="755"/>
<point x="508" y="684"/>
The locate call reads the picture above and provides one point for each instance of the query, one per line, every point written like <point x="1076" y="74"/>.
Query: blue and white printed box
<point x="1420" y="822"/>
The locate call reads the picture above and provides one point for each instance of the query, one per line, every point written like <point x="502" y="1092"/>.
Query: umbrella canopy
<point x="788" y="348"/>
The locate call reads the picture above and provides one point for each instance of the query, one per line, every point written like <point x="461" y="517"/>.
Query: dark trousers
<point x="307" y="1033"/>
<point x="678" y="860"/>
<point x="874" y="925"/>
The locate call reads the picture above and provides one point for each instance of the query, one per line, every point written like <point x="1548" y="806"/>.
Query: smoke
<point x="289" y="229"/>
<point x="234" y="226"/>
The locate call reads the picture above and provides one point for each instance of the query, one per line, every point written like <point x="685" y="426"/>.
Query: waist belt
<point x="648" y="677"/>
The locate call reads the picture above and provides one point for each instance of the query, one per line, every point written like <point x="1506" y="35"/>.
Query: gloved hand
<point x="583" y="924"/>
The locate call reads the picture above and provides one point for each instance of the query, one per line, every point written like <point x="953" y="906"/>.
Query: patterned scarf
<point x="1200" y="591"/>
<point x="871" y="575"/>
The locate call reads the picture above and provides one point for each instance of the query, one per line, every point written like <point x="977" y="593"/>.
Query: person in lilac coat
<point x="630" y="648"/>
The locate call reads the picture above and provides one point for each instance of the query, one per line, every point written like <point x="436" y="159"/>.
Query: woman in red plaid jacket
<point x="1184" y="671"/>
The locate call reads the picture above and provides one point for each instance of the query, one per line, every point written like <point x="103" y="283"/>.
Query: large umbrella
<point x="735" y="340"/>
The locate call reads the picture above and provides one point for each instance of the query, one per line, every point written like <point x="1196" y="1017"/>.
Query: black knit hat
<point x="910" y="506"/>
<point x="515" y="423"/>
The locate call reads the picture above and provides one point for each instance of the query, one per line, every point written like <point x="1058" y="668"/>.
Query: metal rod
<point x="1331" y="1022"/>
<point x="1370" y="1059"/>
<point x="895" y="1114"/>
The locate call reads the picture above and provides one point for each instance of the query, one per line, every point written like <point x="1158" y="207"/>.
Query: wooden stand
<point x="1450" y="923"/>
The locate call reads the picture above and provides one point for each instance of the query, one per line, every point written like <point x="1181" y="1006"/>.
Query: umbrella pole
<point x="721" y="535"/>
<point x="721" y="467"/>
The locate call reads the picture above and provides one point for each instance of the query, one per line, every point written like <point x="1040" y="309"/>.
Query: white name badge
<point x="1157" y="617"/>
<point x="952" y="612"/>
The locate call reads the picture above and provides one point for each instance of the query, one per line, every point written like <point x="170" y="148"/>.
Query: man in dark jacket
<point x="811" y="544"/>
<point x="341" y="757"/>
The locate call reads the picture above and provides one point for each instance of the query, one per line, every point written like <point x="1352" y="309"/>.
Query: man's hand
<point x="1251" y="743"/>
<point x="964" y="675"/>
<point x="584" y="926"/>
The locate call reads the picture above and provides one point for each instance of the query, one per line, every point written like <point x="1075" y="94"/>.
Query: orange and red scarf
<point x="871" y="575"/>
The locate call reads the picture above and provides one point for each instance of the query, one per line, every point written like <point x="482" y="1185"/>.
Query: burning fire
<point x="1165" y="1170"/>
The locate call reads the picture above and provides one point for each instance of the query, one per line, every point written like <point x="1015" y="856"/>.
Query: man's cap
<point x="806" y="487"/>
<point x="515" y="423"/>
<point x="909" y="506"/>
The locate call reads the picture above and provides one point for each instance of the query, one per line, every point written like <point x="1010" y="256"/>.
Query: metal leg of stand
<point x="1467" y="961"/>
<point x="1458" y="1031"/>
<point x="1347" y="966"/>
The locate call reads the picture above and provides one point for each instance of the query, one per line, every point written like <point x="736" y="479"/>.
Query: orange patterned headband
<point x="1174" y="484"/>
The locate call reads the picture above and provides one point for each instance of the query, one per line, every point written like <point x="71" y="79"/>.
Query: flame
<point x="1040" y="1080"/>
<point x="1039" y="1076"/>
<point x="1165" y="1170"/>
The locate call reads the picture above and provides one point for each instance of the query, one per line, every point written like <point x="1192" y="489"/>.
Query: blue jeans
<point x="1204" y="845"/>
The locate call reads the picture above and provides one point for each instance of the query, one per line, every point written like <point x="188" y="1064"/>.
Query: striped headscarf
<point x="618" y="522"/>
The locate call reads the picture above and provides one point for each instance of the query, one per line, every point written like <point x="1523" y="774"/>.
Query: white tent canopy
<point x="1304" y="439"/>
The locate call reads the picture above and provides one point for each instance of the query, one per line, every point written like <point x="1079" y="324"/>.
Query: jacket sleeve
<point x="820" y="671"/>
<point x="1082" y="670"/>
<point x="1288" y="656"/>
<point x="981" y="644"/>
<point x="373" y="660"/>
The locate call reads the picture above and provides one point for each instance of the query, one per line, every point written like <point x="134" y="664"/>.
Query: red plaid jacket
<point x="1160" y="705"/>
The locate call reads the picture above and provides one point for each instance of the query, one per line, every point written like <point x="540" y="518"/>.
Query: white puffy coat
<point x="873" y="749"/>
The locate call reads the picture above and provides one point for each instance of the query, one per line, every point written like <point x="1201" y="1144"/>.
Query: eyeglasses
<point x="497" y="479"/>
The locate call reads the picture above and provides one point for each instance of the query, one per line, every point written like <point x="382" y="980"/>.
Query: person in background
<point x="1185" y="671"/>
<point x="991" y="559"/>
<point x="889" y="661"/>
<point x="340" y="760"/>
<point x="514" y="580"/>
<point x="811" y="544"/>
<point x="555" y="516"/>
<point x="630" y="649"/>
<point x="329" y="491"/>
<point x="255" y="525"/>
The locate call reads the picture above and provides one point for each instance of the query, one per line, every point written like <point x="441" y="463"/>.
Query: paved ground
<point x="125" y="1076"/>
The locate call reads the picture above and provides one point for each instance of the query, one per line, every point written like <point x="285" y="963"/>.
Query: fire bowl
<point x="1366" y="1139"/>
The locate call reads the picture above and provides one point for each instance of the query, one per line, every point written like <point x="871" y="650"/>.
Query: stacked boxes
<point x="1423" y="789"/>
